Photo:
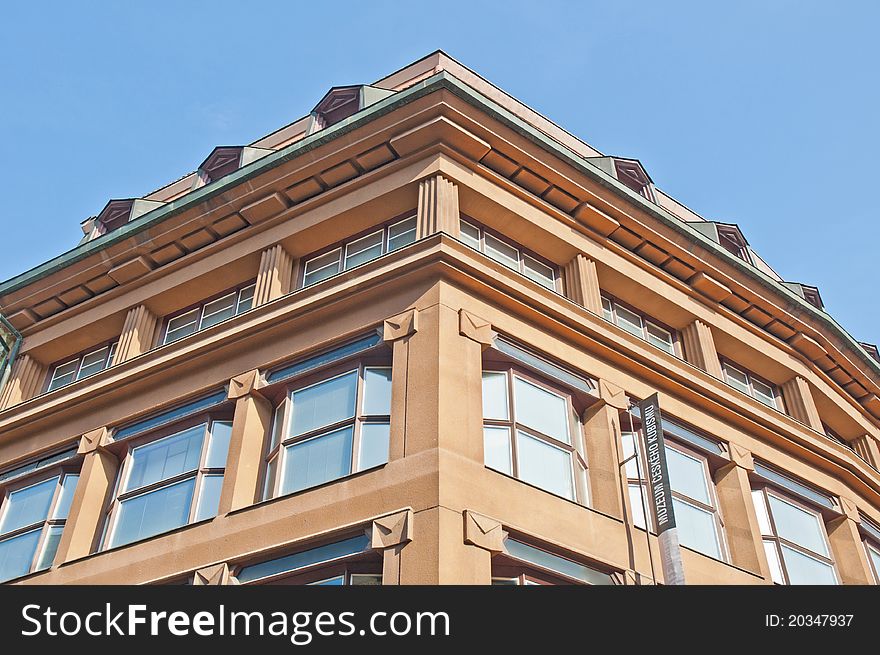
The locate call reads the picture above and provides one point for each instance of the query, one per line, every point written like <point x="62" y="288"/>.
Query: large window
<point x="747" y="382"/>
<point x="329" y="428"/>
<point x="639" y="325"/>
<point x="509" y="255"/>
<point x="530" y="431"/>
<point x="794" y="539"/>
<point x="170" y="481"/>
<point x="81" y="366"/>
<point x="209" y="313"/>
<point x="693" y="495"/>
<point x="524" y="564"/>
<point x="874" y="559"/>
<point x="359" y="251"/>
<point x="32" y="517"/>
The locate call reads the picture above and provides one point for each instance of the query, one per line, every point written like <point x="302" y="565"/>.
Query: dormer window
<point x="631" y="173"/>
<point x="337" y="105"/>
<point x="118" y="213"/>
<point x="221" y="162"/>
<point x="871" y="349"/>
<point x="811" y="295"/>
<point x="732" y="240"/>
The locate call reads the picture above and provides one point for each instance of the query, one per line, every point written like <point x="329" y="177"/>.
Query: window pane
<point x="544" y="466"/>
<point x="62" y="506"/>
<point x="93" y="363"/>
<point x="797" y="525"/>
<point x="17" y="555"/>
<point x="661" y="338"/>
<point x="209" y="496"/>
<point x="377" y="391"/>
<point x="402" y="234"/>
<point x="363" y="250"/>
<point x="875" y="560"/>
<point x="245" y="299"/>
<point x="218" y="447"/>
<point x="63" y="375"/>
<point x="338" y="581"/>
<point x="502" y="253"/>
<point x="764" y="393"/>
<point x="696" y="528"/>
<point x="761" y="511"/>
<point x="773" y="559"/>
<point x="366" y="579"/>
<point x="541" y="410"/>
<point x="50" y="547"/>
<point x="607" y="310"/>
<point x="687" y="475"/>
<point x="218" y="310"/>
<point x="153" y="513"/>
<point x="317" y="461"/>
<point x="470" y="235"/>
<point x="496" y="448"/>
<point x="630" y="448"/>
<point x="320" y="268"/>
<point x="802" y="569"/>
<point x="540" y="273"/>
<point x="181" y="326"/>
<point x="495" y="395"/>
<point x="374" y="445"/>
<point x="271" y="474"/>
<point x="630" y="322"/>
<point x="278" y="425"/>
<point x="324" y="403"/>
<point x="166" y="458"/>
<point x="737" y="379"/>
<point x="28" y="505"/>
<point x="639" y="502"/>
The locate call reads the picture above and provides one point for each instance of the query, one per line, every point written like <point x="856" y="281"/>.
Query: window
<point x="530" y="431"/>
<point x="359" y="251"/>
<point x="639" y="325"/>
<point x="168" y="482"/>
<point x="210" y="313"/>
<point x="329" y="429"/>
<point x="523" y="564"/>
<point x="32" y="518"/>
<point x="81" y="367"/>
<point x="794" y="539"/>
<point x="508" y="255"/>
<point x="732" y="240"/>
<point x="693" y="496"/>
<point x="349" y="561"/>
<point x="874" y="559"/>
<point x="748" y="383"/>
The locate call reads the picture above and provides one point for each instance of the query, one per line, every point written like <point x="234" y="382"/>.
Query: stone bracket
<point x="613" y="395"/>
<point x="92" y="440"/>
<point x="244" y="384"/>
<point x="850" y="510"/>
<point x="400" y="326"/>
<point x="475" y="328"/>
<point x="392" y="530"/>
<point x="742" y="457"/>
<point x="483" y="532"/>
<point x="212" y="576"/>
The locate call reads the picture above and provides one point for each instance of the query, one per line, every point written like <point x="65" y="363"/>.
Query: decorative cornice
<point x="392" y="530"/>
<point x="93" y="440"/>
<point x="244" y="384"/>
<point x="483" y="532"/>
<point x="475" y="328"/>
<point x="400" y="326"/>
<point x="212" y="576"/>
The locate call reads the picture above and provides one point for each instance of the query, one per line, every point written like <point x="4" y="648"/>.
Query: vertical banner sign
<point x="661" y="490"/>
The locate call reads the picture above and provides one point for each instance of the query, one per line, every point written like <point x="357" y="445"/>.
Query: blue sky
<point x="763" y="113"/>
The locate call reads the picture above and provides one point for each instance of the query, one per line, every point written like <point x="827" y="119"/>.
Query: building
<point x="397" y="341"/>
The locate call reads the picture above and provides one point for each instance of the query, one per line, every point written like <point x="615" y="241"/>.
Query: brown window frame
<point x="200" y="306"/>
<point x="576" y="449"/>
<point x="766" y="488"/>
<point x="271" y="480"/>
<point x="342" y="245"/>
<point x="111" y="345"/>
<point x="872" y="545"/>
<point x="677" y="348"/>
<point x="779" y="403"/>
<point x="732" y="240"/>
<point x="346" y="569"/>
<point x="61" y="471"/>
<point x="521" y="250"/>
<point x="123" y="452"/>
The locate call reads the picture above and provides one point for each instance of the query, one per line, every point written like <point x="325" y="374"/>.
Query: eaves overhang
<point x="442" y="80"/>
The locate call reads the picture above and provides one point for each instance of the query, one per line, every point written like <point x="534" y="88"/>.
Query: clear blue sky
<point x="759" y="113"/>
